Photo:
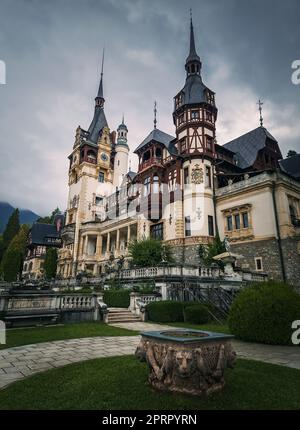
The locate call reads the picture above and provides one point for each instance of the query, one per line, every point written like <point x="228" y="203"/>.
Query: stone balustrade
<point x="20" y="308"/>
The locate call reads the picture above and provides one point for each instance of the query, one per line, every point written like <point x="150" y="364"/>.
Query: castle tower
<point x="90" y="174"/>
<point x="121" y="157"/>
<point x="194" y="117"/>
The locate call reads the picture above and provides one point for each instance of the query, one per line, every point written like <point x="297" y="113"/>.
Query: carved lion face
<point x="184" y="363"/>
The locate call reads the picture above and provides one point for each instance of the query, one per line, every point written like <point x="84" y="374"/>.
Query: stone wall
<point x="269" y="252"/>
<point x="187" y="254"/>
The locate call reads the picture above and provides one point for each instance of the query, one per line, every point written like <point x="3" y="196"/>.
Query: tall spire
<point x="192" y="38"/>
<point x="100" y="99"/>
<point x="260" y="105"/>
<point x="193" y="63"/>
<point x="155" y="112"/>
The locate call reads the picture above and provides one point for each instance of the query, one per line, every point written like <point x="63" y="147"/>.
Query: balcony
<point x="153" y="161"/>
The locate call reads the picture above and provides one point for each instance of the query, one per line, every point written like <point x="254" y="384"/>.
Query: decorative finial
<point x="155" y="112"/>
<point x="102" y="63"/>
<point x="260" y="105"/>
<point x="123" y="119"/>
<point x="191" y="14"/>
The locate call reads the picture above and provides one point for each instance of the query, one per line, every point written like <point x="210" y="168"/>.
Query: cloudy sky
<point x="52" y="50"/>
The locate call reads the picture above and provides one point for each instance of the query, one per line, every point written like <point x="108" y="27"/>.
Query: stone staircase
<point x="120" y="315"/>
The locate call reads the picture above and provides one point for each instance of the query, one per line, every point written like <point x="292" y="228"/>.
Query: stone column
<point x="99" y="245"/>
<point x="128" y="235"/>
<point x="108" y="243"/>
<point x="118" y="242"/>
<point x="86" y="244"/>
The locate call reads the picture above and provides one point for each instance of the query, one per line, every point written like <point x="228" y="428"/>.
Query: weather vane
<point x="260" y="105"/>
<point x="155" y="112"/>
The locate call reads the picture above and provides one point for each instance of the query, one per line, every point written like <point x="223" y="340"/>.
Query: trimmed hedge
<point x="165" y="311"/>
<point x="117" y="298"/>
<point x="172" y="311"/>
<point x="197" y="314"/>
<point x="264" y="313"/>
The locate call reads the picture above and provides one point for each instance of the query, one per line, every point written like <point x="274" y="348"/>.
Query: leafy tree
<point x="206" y="253"/>
<point x="291" y="153"/>
<point x="13" y="257"/>
<point x="11" y="229"/>
<point x="50" y="264"/>
<point x="149" y="252"/>
<point x="49" y="219"/>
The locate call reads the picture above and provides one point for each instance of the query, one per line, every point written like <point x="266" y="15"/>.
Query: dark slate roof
<point x="247" y="146"/>
<point x="194" y="90"/>
<point x="39" y="233"/>
<point x="131" y="174"/>
<point x="158" y="136"/>
<point x="291" y="166"/>
<point x="99" y="121"/>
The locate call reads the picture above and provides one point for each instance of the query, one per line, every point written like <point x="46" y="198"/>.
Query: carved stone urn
<point x="186" y="361"/>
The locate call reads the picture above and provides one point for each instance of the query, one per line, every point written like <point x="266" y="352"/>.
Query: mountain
<point x="26" y="216"/>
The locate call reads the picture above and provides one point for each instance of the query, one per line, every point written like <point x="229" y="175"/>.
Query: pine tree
<point x="49" y="219"/>
<point x="13" y="257"/>
<point x="50" y="264"/>
<point x="11" y="229"/>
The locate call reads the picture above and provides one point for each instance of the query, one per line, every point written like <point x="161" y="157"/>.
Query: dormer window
<point x="194" y="115"/>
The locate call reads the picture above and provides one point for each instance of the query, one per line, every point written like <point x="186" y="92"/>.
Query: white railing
<point x="77" y="302"/>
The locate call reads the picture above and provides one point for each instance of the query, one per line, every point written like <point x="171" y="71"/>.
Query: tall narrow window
<point x="209" y="143"/>
<point x="208" y="176"/>
<point x="245" y="219"/>
<point x="101" y="177"/>
<point x="188" y="231"/>
<point x="186" y="178"/>
<point x="147" y="186"/>
<point x="258" y="264"/>
<point x="155" y="184"/>
<point x="237" y="221"/>
<point x="210" y="225"/>
<point x="229" y="222"/>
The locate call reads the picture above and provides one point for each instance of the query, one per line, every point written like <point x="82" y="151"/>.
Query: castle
<point x="187" y="189"/>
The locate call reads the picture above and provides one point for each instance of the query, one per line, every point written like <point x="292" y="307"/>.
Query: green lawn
<point x="207" y="327"/>
<point x="121" y="383"/>
<point x="26" y="336"/>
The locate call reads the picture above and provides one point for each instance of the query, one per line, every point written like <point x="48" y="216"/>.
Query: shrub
<point x="117" y="298"/>
<point x="167" y="311"/>
<point x="149" y="252"/>
<point x="264" y="313"/>
<point x="196" y="314"/>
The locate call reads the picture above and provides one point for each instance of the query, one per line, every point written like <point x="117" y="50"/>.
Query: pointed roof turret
<point x="100" y="97"/>
<point x="193" y="62"/>
<point x="99" y="120"/>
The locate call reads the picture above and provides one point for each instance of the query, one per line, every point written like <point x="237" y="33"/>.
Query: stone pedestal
<point x="186" y="361"/>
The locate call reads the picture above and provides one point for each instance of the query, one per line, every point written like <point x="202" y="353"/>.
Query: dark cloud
<point x="53" y="49"/>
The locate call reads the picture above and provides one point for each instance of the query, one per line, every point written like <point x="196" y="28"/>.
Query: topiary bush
<point x="264" y="313"/>
<point x="197" y="314"/>
<point x="117" y="298"/>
